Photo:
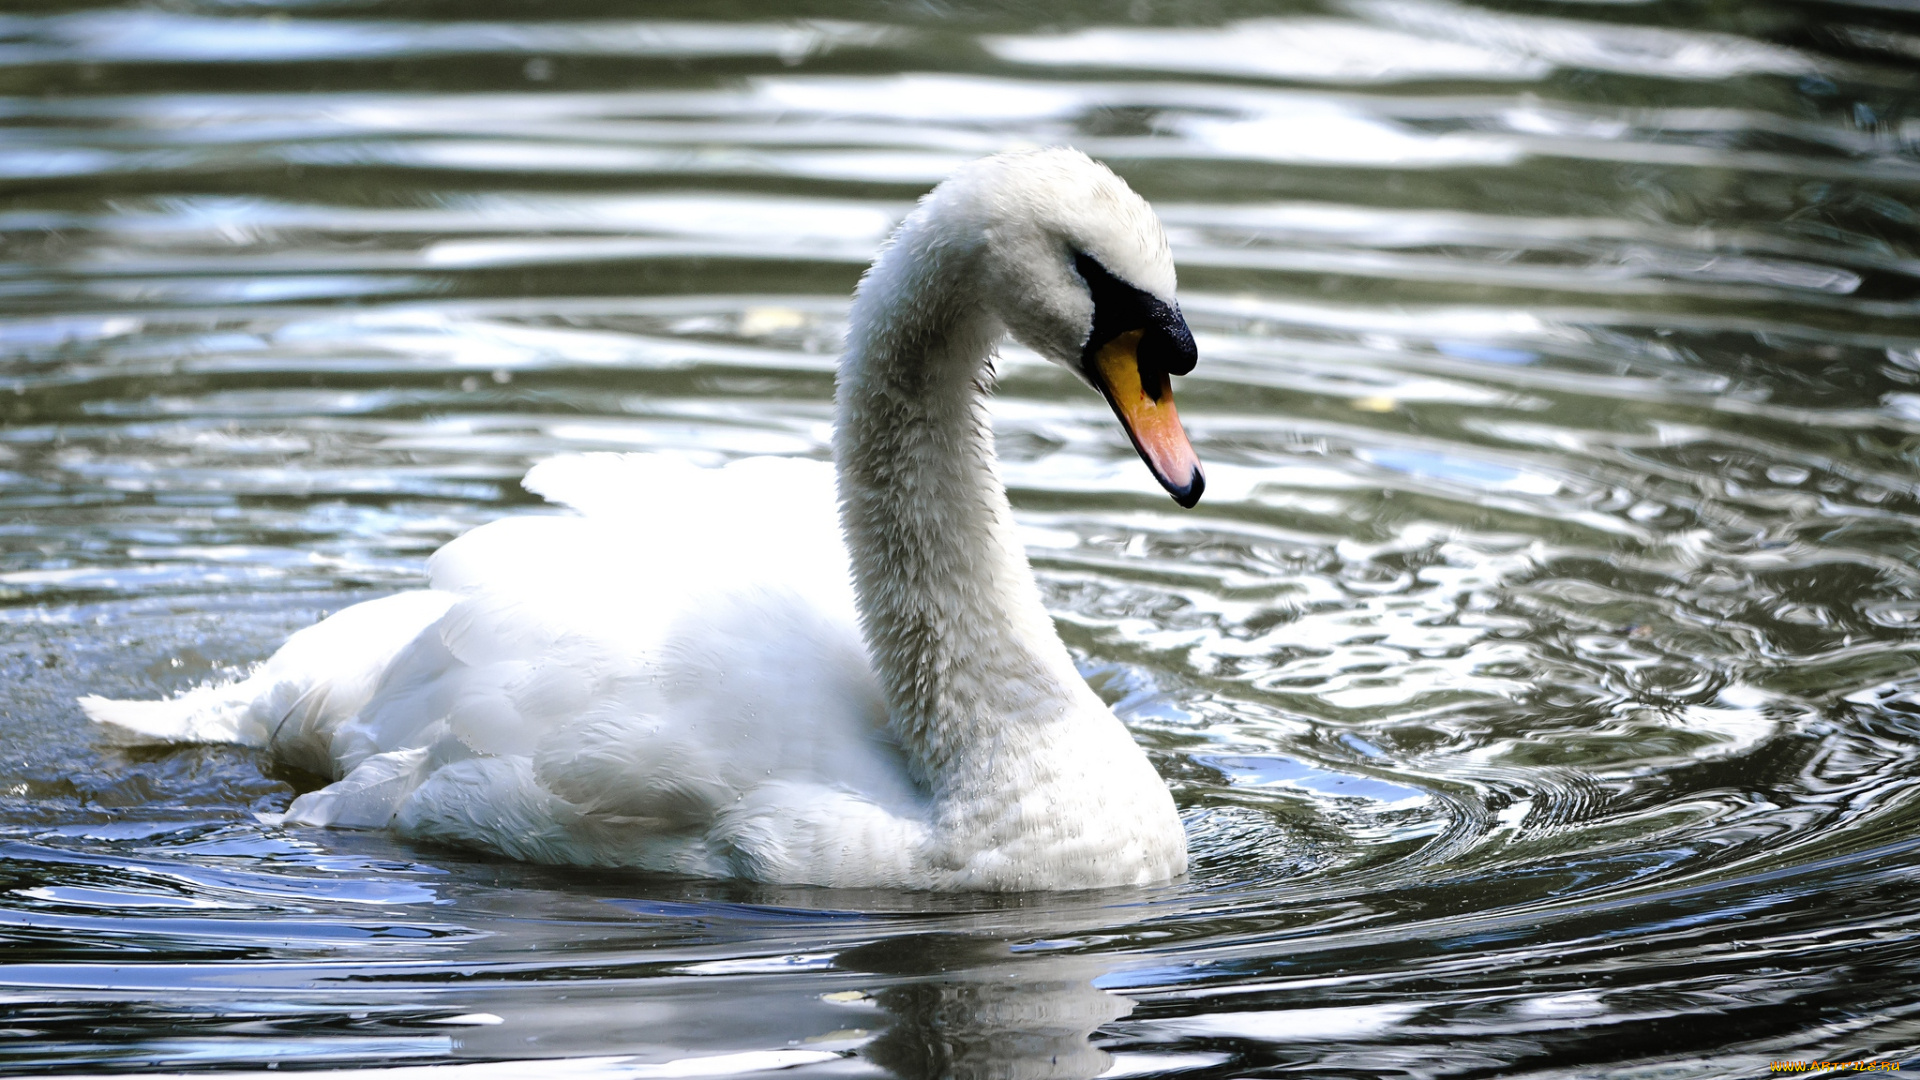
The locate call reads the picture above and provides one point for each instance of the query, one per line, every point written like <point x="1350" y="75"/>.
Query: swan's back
<point x="654" y="680"/>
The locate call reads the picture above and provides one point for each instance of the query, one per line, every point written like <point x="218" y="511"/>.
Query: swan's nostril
<point x="1153" y="381"/>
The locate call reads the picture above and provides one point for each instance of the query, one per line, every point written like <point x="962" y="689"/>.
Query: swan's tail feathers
<point x="210" y="714"/>
<point x="319" y="679"/>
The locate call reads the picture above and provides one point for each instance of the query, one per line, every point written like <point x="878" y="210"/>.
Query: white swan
<point x="676" y="678"/>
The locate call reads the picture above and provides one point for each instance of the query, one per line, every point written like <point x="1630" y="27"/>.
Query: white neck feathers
<point x="966" y="652"/>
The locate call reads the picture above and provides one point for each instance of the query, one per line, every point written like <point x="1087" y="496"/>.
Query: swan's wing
<point x="687" y="639"/>
<point x="672" y="678"/>
<point x="669" y="491"/>
<point x="662" y="553"/>
<point x="659" y="534"/>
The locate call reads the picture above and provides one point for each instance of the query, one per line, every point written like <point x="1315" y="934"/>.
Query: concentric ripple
<point x="1540" y="679"/>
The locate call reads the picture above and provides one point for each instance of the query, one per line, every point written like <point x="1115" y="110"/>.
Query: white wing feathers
<point x="655" y="682"/>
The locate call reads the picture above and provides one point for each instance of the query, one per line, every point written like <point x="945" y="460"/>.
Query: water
<point x="1540" y="679"/>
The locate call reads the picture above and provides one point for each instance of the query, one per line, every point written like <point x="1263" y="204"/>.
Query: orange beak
<point x="1145" y="408"/>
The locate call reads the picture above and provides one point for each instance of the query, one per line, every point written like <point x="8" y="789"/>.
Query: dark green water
<point x="1540" y="679"/>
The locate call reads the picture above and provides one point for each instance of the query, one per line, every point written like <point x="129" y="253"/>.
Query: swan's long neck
<point x="972" y="668"/>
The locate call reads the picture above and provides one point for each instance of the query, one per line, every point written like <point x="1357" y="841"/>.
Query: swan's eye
<point x="1166" y="345"/>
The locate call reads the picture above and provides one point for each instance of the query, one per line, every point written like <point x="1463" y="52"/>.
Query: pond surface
<point x="1540" y="679"/>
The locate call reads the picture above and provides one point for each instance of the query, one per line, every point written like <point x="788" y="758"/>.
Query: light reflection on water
<point x="1538" y="679"/>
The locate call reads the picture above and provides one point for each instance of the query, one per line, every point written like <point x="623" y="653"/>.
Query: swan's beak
<point x="1143" y="400"/>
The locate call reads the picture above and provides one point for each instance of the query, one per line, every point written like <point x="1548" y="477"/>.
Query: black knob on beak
<point x="1168" y="345"/>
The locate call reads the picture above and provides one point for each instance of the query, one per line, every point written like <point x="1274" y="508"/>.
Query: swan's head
<point x="1077" y="268"/>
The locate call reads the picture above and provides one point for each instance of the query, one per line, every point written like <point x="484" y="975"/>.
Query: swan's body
<point x="709" y="672"/>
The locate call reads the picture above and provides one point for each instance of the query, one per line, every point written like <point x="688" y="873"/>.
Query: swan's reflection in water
<point x="1021" y="1018"/>
<point x="927" y="994"/>
<point x="983" y="1011"/>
